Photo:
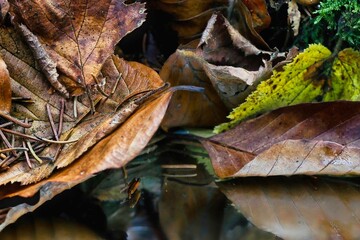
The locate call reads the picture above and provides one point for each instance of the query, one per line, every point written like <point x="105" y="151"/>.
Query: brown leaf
<point x="243" y="18"/>
<point x="190" y="108"/>
<point x="234" y="65"/>
<point x="114" y="151"/>
<point x="5" y="88"/>
<point x="79" y="36"/>
<point x="191" y="212"/>
<point x="298" y="208"/>
<point x="303" y="139"/>
<point x="136" y="79"/>
<point x="189" y="18"/>
<point x="48" y="228"/>
<point x="259" y="14"/>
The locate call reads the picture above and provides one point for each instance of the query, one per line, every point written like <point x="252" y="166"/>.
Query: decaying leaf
<point x="259" y="14"/>
<point x="299" y="82"/>
<point x="190" y="108"/>
<point x="233" y="64"/>
<point x="189" y="18"/>
<point x="294" y="16"/>
<point x="79" y="36"/>
<point x="5" y="88"/>
<point x="298" y="208"/>
<point x="310" y="139"/>
<point x="312" y="76"/>
<point x="114" y="151"/>
<point x="345" y="77"/>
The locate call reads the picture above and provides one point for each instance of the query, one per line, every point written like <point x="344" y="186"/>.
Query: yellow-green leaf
<point x="298" y="82"/>
<point x="345" y="77"/>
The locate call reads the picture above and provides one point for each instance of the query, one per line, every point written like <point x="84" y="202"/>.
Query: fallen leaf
<point x="294" y="16"/>
<point x="242" y="20"/>
<point x="298" y="208"/>
<point x="189" y="18"/>
<point x="114" y="151"/>
<point x="299" y="81"/>
<point x="5" y="88"/>
<point x="190" y="108"/>
<point x="310" y="139"/>
<point x="79" y="36"/>
<point x="234" y="65"/>
<point x="259" y="14"/>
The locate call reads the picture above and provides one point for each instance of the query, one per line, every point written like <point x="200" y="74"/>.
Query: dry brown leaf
<point x="242" y="20"/>
<point x="259" y="14"/>
<point x="114" y="151"/>
<point x="136" y="79"/>
<point x="310" y="139"/>
<point x="190" y="108"/>
<point x="298" y="208"/>
<point x="189" y="17"/>
<point x="79" y="36"/>
<point x="5" y="88"/>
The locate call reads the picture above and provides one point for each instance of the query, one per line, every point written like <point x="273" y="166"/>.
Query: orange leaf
<point x="5" y="88"/>
<point x="114" y="151"/>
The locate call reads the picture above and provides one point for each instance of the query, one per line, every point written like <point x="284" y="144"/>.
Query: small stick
<point x="6" y="141"/>
<point x="99" y="88"/>
<point x="116" y="84"/>
<point x="19" y="134"/>
<point x="180" y="175"/>
<point x="13" y="149"/>
<point x="75" y="107"/>
<point x="33" y="152"/>
<point x="15" y="120"/>
<point x="57" y="142"/>
<point x="52" y="124"/>
<point x="179" y="166"/>
<point x="27" y="156"/>
<point x="61" y="117"/>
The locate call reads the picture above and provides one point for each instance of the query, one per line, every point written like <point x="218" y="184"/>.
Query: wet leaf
<point x="186" y="211"/>
<point x="298" y="208"/>
<point x="114" y="151"/>
<point x="48" y="228"/>
<point x="5" y="88"/>
<point x="311" y="139"/>
<point x="190" y="108"/>
<point x="79" y="36"/>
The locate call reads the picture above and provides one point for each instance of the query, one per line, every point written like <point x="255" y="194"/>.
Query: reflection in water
<point x="299" y="207"/>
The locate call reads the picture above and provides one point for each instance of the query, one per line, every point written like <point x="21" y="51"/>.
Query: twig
<point x="53" y="141"/>
<point x="15" y="120"/>
<point x="33" y="152"/>
<point x="19" y="134"/>
<point x="52" y="124"/>
<point x="27" y="155"/>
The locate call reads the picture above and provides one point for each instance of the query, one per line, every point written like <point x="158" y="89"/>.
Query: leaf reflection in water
<point x="299" y="208"/>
